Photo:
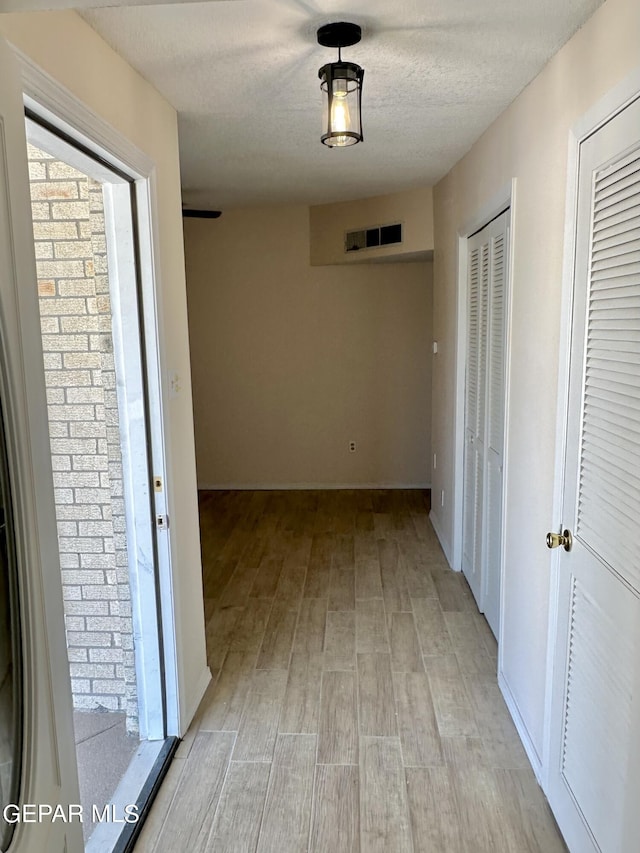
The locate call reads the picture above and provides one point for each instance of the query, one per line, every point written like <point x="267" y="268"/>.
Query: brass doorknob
<point x="555" y="540"/>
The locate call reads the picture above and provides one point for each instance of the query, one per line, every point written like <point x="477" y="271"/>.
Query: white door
<point x="594" y="784"/>
<point x="484" y="415"/>
<point x="49" y="775"/>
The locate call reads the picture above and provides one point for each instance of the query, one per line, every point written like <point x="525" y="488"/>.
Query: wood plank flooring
<point x="354" y="705"/>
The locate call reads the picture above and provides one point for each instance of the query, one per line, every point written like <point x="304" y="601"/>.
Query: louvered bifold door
<point x="474" y="413"/>
<point x="495" y="426"/>
<point x="471" y="408"/>
<point x="596" y="701"/>
<point x="484" y="414"/>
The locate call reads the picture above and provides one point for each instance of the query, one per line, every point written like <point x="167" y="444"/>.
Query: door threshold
<point x="134" y="797"/>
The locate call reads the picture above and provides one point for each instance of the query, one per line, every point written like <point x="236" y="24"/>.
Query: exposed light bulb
<point x="340" y="117"/>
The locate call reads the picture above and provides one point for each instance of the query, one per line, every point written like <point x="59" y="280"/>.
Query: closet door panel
<point x="484" y="415"/>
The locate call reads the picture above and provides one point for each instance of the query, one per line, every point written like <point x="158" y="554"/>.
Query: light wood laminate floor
<point x="354" y="703"/>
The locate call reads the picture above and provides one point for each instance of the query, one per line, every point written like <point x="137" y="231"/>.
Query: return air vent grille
<point x="371" y="238"/>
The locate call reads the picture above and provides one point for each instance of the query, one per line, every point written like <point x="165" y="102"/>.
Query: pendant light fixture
<point x="341" y="85"/>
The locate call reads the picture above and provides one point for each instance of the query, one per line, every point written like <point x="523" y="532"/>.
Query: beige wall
<point x="64" y="46"/>
<point x="529" y="142"/>
<point x="291" y="362"/>
<point x="330" y="222"/>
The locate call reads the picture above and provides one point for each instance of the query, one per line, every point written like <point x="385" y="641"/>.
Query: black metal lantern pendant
<point x="341" y="84"/>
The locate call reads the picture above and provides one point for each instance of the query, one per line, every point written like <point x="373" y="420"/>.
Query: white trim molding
<point x="56" y="104"/>
<point x="53" y="103"/>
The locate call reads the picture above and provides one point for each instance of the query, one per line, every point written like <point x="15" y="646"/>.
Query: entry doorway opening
<point x="84" y="223"/>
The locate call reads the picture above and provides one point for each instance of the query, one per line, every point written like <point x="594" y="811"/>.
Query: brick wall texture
<point x="84" y="428"/>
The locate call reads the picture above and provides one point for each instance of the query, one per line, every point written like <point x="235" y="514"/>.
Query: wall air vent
<point x="370" y="238"/>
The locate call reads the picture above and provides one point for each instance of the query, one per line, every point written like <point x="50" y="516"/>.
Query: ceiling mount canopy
<point x="339" y="35"/>
<point x="341" y="85"/>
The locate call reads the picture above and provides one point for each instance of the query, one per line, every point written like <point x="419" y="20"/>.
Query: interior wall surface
<point x="70" y="52"/>
<point x="528" y="142"/>
<point x="329" y="223"/>
<point x="292" y="362"/>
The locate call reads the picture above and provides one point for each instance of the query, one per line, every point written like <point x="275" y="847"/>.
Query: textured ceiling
<point x="55" y="5"/>
<point x="243" y="77"/>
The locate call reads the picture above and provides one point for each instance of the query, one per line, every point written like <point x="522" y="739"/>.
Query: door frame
<point x="53" y="103"/>
<point x="48" y="766"/>
<point x="613" y="102"/>
<point x="505" y="197"/>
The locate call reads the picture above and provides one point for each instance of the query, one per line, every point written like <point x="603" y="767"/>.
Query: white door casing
<point x="49" y="774"/>
<point x="53" y="103"/>
<point x="484" y="415"/>
<point x="593" y="781"/>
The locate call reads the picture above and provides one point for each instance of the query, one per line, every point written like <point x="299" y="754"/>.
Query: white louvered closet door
<point x="484" y="415"/>
<point x="473" y="463"/>
<point x="594" y="785"/>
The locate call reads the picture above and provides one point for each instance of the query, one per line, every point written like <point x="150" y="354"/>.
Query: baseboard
<point x="274" y="487"/>
<point x="523" y="732"/>
<point x="194" y="703"/>
<point x="444" y="542"/>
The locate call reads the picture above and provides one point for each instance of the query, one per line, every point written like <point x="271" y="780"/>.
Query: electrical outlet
<point x="352" y="447"/>
<point x="442" y="497"/>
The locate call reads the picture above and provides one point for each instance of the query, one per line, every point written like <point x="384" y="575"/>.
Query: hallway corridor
<point x="354" y="703"/>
